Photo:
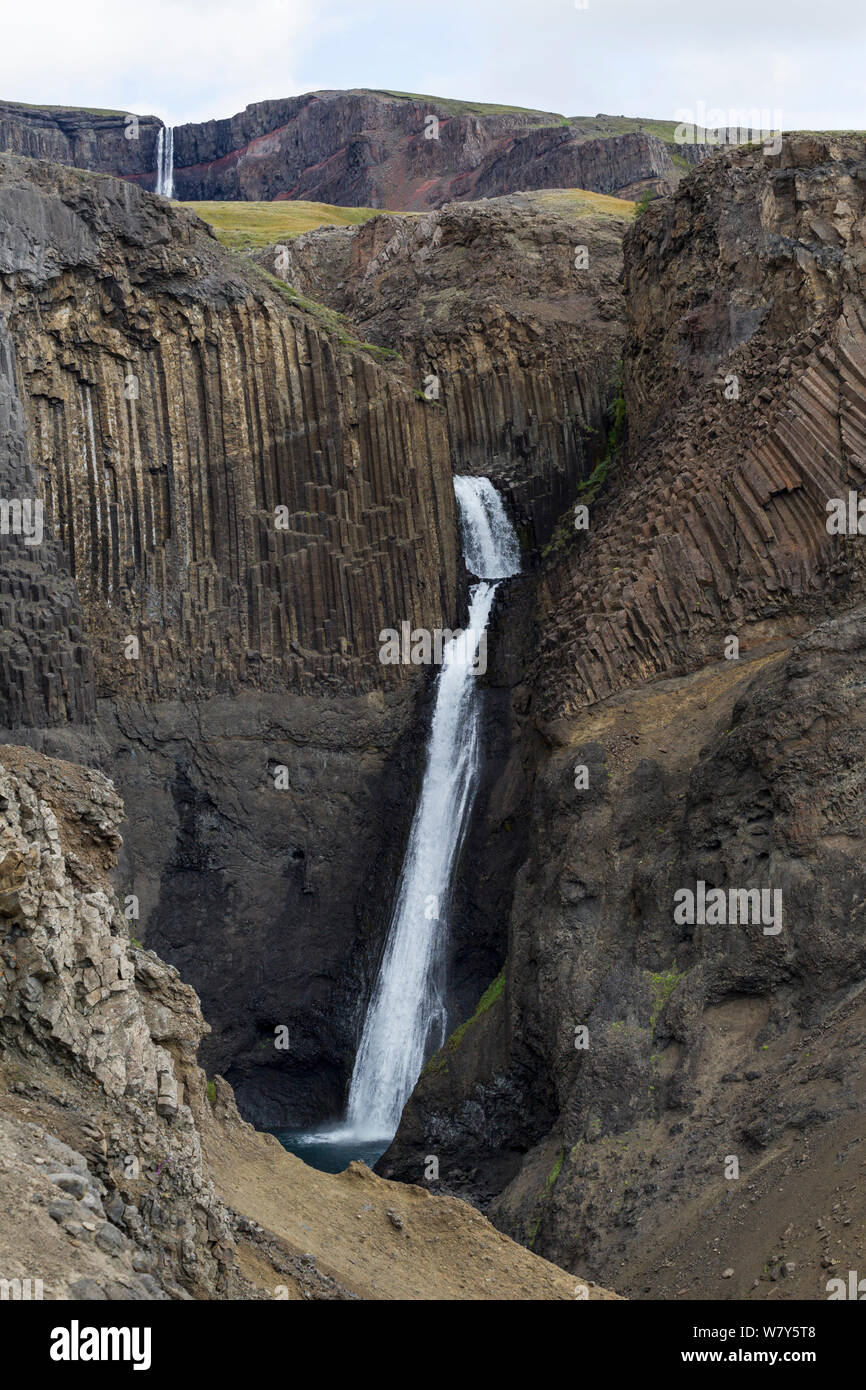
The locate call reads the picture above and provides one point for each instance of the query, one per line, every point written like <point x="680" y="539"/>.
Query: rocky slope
<point x="663" y="764"/>
<point x="126" y="1174"/>
<point x="361" y="148"/>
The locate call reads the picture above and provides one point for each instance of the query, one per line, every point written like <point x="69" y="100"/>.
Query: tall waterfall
<point x="406" y="1016"/>
<point x="165" y="161"/>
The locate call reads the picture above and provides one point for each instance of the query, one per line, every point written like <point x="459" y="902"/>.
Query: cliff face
<point x="560" y="159"/>
<point x="743" y="373"/>
<point x="596" y="1101"/>
<point x="126" y="1174"/>
<point x="162" y="402"/>
<point x="356" y="148"/>
<point x="186" y="426"/>
<point x="507" y="314"/>
<point x="104" y="141"/>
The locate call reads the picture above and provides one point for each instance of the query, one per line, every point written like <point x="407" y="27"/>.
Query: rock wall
<point x="743" y="372"/>
<point x="104" y="141"/>
<point x="162" y="400"/>
<point x="560" y="159"/>
<point x="356" y="148"/>
<point x="232" y="487"/>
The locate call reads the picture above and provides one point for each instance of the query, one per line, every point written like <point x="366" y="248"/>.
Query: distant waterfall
<point x="406" y="1013"/>
<point x="165" y="161"/>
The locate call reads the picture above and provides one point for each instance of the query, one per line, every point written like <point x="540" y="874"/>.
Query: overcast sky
<point x="194" y="59"/>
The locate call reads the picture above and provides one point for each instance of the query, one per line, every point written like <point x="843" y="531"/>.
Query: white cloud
<point x="196" y="59"/>
<point x="179" y="59"/>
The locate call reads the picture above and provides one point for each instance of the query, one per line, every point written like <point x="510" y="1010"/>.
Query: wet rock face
<point x="355" y="148"/>
<point x="271" y="899"/>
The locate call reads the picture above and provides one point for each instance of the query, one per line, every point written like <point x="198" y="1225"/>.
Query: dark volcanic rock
<point x="516" y="343"/>
<point x="357" y="148"/>
<point x="163" y="400"/>
<point x="743" y="380"/>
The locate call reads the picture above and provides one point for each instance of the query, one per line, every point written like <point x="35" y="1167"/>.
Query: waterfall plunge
<point x="406" y="1015"/>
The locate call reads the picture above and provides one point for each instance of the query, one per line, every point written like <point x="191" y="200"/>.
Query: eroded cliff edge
<point x="357" y="148"/>
<point x="744" y="380"/>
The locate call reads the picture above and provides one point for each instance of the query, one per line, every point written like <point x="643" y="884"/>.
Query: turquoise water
<point x="331" y="1154"/>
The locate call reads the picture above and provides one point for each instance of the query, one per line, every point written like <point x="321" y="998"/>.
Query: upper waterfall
<point x="490" y="546"/>
<point x="165" y="161"/>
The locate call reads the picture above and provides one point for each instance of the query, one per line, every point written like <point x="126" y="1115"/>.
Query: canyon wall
<point x="357" y="148"/>
<point x="163" y="402"/>
<point x="187" y="425"/>
<point x="169" y="403"/>
<point x="508" y="314"/>
<point x="681" y="1101"/>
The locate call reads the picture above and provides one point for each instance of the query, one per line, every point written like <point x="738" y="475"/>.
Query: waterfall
<point x="406" y="1016"/>
<point x="165" y="161"/>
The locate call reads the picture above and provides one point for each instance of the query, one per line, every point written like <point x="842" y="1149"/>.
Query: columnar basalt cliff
<point x="186" y="425"/>
<point x="676" y="1100"/>
<point x="170" y="403"/>
<point x="236" y="500"/>
<point x="508" y="315"/>
<point x="743" y="374"/>
<point x="361" y="148"/>
<point x="246" y="468"/>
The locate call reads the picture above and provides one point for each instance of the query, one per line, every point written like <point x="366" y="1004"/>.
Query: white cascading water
<point x="165" y="161"/>
<point x="406" y="1017"/>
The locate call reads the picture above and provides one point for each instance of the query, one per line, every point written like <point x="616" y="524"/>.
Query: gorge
<point x="227" y="824"/>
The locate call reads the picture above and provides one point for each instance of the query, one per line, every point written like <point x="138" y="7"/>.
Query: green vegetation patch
<point x="554" y="1172"/>
<point x="242" y="225"/>
<point x="579" y="202"/>
<point x="662" y="985"/>
<point x="438" y="1063"/>
<point x="329" y="319"/>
